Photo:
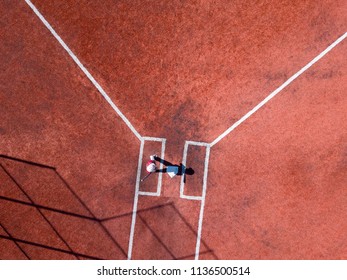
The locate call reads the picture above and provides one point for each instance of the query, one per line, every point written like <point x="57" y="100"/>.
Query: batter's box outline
<point x="184" y="163"/>
<point x="138" y="193"/>
<point x="160" y="176"/>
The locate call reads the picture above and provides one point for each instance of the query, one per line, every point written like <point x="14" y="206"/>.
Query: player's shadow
<point x="179" y="170"/>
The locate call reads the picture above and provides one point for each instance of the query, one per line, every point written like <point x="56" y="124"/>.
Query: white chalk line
<point x="202" y="207"/>
<point x="154" y="139"/>
<point x="136" y="199"/>
<point x="184" y="162"/>
<point x="191" y="197"/>
<point x="162" y="156"/>
<point x="195" y="143"/>
<point x="278" y="90"/>
<point x="148" y="193"/>
<point x="84" y="70"/>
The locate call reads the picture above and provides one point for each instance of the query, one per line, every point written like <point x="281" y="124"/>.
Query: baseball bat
<point x="144" y="178"/>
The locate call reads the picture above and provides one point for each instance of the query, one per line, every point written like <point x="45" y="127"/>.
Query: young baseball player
<point x="150" y="166"/>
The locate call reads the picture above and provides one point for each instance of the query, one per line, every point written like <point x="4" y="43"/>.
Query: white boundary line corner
<point x="84" y="70"/>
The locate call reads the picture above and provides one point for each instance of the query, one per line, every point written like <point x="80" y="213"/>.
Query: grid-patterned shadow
<point x="166" y="234"/>
<point x="42" y="217"/>
<point x="40" y="209"/>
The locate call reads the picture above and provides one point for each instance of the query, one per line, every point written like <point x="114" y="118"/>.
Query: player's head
<point x="151" y="167"/>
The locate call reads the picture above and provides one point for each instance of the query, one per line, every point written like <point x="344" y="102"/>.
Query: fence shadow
<point x="176" y="215"/>
<point x="86" y="218"/>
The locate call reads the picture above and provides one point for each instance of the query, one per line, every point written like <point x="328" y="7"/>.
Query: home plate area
<point x="168" y="224"/>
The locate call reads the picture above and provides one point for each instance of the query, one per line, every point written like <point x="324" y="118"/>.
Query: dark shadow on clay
<point x="182" y="170"/>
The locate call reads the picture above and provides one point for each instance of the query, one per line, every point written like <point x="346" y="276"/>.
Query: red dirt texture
<point x="179" y="71"/>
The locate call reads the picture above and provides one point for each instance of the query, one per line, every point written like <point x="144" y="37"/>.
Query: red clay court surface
<point x="177" y="75"/>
